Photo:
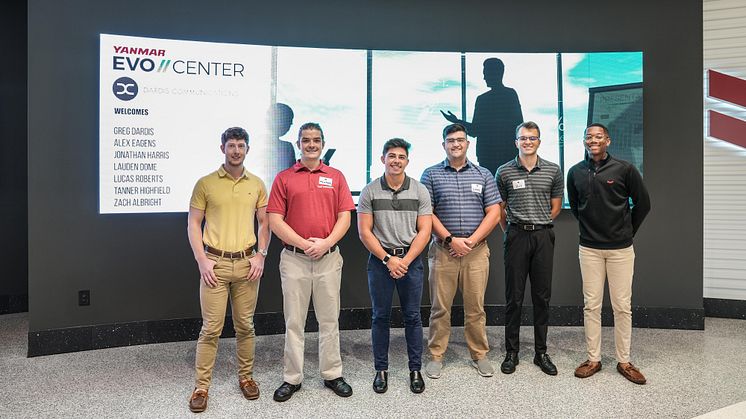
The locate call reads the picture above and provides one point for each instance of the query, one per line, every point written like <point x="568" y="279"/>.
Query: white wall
<point x="724" y="163"/>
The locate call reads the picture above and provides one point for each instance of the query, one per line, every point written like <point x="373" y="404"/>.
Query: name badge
<point x="519" y="184"/>
<point x="476" y="188"/>
<point x="325" y="182"/>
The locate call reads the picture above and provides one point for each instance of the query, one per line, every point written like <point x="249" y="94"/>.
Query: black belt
<point x="442" y="244"/>
<point x="531" y="227"/>
<point x="248" y="252"/>
<point x="397" y="251"/>
<point x="299" y="250"/>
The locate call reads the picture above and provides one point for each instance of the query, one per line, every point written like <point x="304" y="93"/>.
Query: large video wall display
<point x="164" y="104"/>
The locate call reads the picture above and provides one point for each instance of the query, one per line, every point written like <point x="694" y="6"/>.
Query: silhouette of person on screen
<point x="497" y="113"/>
<point x="281" y="153"/>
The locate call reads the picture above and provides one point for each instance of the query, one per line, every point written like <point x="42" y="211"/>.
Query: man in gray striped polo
<point x="465" y="211"/>
<point x="394" y="221"/>
<point x="532" y="190"/>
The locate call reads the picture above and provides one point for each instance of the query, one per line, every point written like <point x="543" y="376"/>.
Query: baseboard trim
<point x="725" y="309"/>
<point x="83" y="338"/>
<point x="13" y="303"/>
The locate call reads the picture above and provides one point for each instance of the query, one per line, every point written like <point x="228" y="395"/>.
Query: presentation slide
<point x="164" y="104"/>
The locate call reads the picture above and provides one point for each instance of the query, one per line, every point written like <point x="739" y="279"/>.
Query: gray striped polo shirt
<point x="460" y="196"/>
<point x="394" y="212"/>
<point x="528" y="194"/>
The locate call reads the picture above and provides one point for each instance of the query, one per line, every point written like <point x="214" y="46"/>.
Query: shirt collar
<point x="539" y="162"/>
<point x="299" y="167"/>
<point x="223" y="173"/>
<point x="601" y="163"/>
<point x="385" y="186"/>
<point x="446" y="165"/>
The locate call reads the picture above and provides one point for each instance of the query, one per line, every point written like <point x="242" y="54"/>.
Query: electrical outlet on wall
<point x="84" y="297"/>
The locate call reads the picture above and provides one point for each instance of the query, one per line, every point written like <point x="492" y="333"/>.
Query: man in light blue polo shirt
<point x="466" y="209"/>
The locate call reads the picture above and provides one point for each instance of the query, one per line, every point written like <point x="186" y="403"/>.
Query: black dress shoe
<point x="546" y="365"/>
<point x="381" y="382"/>
<point x="509" y="363"/>
<point x="416" y="383"/>
<point x="285" y="391"/>
<point x="339" y="387"/>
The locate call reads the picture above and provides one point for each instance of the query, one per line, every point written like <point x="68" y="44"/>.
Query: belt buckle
<point x="399" y="251"/>
<point x="529" y="227"/>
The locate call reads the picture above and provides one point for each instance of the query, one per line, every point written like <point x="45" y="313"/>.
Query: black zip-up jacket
<point x="599" y="198"/>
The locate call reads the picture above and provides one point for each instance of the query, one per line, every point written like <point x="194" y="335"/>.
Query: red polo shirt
<point x="310" y="200"/>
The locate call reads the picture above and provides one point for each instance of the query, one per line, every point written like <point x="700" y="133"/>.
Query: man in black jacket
<point x="599" y="189"/>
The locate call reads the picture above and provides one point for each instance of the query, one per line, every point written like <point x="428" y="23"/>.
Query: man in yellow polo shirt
<point x="228" y="199"/>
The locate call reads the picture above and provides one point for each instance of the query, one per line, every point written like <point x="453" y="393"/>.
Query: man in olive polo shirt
<point x="309" y="210"/>
<point x="228" y="200"/>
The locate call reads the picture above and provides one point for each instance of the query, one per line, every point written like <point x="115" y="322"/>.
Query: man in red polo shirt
<point x="309" y="210"/>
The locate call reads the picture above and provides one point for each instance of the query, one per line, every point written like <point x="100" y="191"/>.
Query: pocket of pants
<point x="508" y="236"/>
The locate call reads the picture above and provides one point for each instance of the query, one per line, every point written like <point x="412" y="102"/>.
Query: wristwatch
<point x="262" y="252"/>
<point x="448" y="240"/>
<point x="385" y="259"/>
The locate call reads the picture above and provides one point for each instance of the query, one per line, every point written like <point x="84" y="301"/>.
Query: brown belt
<point x="248" y="252"/>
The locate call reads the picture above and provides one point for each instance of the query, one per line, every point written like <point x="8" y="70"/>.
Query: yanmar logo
<point x="733" y="90"/>
<point x="139" y="59"/>
<point x="139" y="51"/>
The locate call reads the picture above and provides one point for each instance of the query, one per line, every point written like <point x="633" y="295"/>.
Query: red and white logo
<point x="733" y="90"/>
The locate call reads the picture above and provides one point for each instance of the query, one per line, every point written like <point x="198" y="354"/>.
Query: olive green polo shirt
<point x="229" y="205"/>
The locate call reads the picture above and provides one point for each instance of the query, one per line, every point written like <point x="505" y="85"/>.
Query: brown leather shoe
<point x="198" y="401"/>
<point x="249" y="388"/>
<point x="631" y="373"/>
<point x="587" y="368"/>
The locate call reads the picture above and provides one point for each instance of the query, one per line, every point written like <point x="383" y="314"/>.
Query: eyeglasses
<point x="597" y="137"/>
<point x="455" y="140"/>
<point x="524" y="139"/>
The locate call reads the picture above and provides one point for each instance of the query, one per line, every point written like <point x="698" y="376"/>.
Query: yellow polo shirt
<point x="229" y="205"/>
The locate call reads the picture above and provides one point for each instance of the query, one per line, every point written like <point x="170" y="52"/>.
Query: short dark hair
<point x="527" y="125"/>
<point x="394" y="143"/>
<point x="600" y="125"/>
<point x="450" y="129"/>
<point x="495" y="64"/>
<point x="234" y="133"/>
<point x="310" y="125"/>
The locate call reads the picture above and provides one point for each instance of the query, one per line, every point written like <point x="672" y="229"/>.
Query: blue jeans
<point x="381" y="286"/>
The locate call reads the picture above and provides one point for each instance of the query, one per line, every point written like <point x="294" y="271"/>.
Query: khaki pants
<point x="596" y="265"/>
<point x="469" y="274"/>
<point x="303" y="279"/>
<point x="231" y="275"/>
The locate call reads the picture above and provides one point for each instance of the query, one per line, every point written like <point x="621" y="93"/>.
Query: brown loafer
<point x="198" y="401"/>
<point x="631" y="373"/>
<point x="249" y="388"/>
<point x="587" y="368"/>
